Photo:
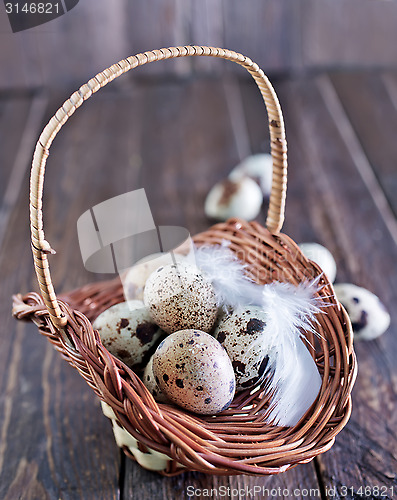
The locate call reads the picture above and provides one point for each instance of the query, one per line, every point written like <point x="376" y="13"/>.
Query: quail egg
<point x="367" y="313"/>
<point x="238" y="333"/>
<point x="128" y="332"/>
<point x="151" y="384"/>
<point x="135" y="279"/>
<point x="179" y="296"/>
<point x="194" y="371"/>
<point x="258" y="167"/>
<point x="322" y="257"/>
<point x="241" y="197"/>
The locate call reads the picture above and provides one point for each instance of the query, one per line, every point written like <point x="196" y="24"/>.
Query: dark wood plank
<point x="13" y="75"/>
<point x="195" y="147"/>
<point x="20" y="122"/>
<point x="176" y="141"/>
<point x="301" y="194"/>
<point x="156" y="24"/>
<point x="95" y="157"/>
<point x="207" y="27"/>
<point x="267" y="32"/>
<point x="281" y="35"/>
<point x="56" y="442"/>
<point x="346" y="218"/>
<point x="65" y="51"/>
<point x="256" y="121"/>
<point x="141" y="483"/>
<point x="13" y="114"/>
<point x="236" y="112"/>
<point x="371" y="111"/>
<point x="348" y="33"/>
<point x="93" y="35"/>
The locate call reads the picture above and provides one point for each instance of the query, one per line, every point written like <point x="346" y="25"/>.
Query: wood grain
<point x="368" y="103"/>
<point x="365" y="454"/>
<point x="348" y="33"/>
<point x="56" y="436"/>
<point x="13" y="75"/>
<point x="206" y="26"/>
<point x="176" y="139"/>
<point x="71" y="49"/>
<point x="20" y="122"/>
<point x="195" y="147"/>
<point x="156" y="24"/>
<point x="190" y="126"/>
<point x="145" y="484"/>
<point x="266" y="31"/>
<point x="282" y="36"/>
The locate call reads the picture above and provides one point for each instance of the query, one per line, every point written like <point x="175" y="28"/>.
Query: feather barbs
<point x="291" y="312"/>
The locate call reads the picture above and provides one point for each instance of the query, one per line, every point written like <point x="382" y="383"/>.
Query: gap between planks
<point x="364" y="168"/>
<point x="237" y="116"/>
<point x="391" y="87"/>
<point x="10" y="388"/>
<point x="22" y="160"/>
<point x="241" y="135"/>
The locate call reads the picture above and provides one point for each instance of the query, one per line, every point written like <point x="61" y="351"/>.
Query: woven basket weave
<point x="163" y="437"/>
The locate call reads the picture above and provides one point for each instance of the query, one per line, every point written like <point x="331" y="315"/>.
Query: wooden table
<point x="176" y="139"/>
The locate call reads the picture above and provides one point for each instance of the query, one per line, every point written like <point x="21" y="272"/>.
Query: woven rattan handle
<point x="41" y="248"/>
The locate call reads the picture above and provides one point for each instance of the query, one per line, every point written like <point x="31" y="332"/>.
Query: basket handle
<point x="41" y="248"/>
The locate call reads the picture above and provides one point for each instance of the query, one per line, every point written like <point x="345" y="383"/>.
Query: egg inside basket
<point x="163" y="436"/>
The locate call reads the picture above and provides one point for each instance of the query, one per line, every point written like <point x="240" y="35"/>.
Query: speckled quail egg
<point x="128" y="332"/>
<point x="367" y="313"/>
<point x="195" y="372"/>
<point x="321" y="256"/>
<point x="258" y="167"/>
<point x="150" y="383"/>
<point x="135" y="279"/>
<point x="240" y="197"/>
<point x="237" y="332"/>
<point x="179" y="296"/>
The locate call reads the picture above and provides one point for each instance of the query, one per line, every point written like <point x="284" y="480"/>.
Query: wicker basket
<point x="160" y="436"/>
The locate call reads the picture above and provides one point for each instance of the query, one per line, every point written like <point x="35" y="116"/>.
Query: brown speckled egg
<point x="195" y="372"/>
<point x="180" y="297"/>
<point x="236" y="332"/>
<point x="150" y="383"/>
<point x="135" y="279"/>
<point x="128" y="332"/>
<point x="367" y="313"/>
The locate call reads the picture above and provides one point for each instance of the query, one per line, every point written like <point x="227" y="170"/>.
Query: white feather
<point x="295" y="380"/>
<point x="226" y="273"/>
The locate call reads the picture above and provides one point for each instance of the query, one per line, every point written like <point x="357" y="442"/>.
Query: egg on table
<point x="237" y="332"/>
<point x="240" y="197"/>
<point x="367" y="313"/>
<point x="135" y="279"/>
<point x="194" y="371"/>
<point x="258" y="167"/>
<point x="179" y="297"/>
<point x="322" y="257"/>
<point x="128" y="332"/>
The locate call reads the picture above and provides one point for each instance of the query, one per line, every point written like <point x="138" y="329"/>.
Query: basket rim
<point x="225" y="443"/>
